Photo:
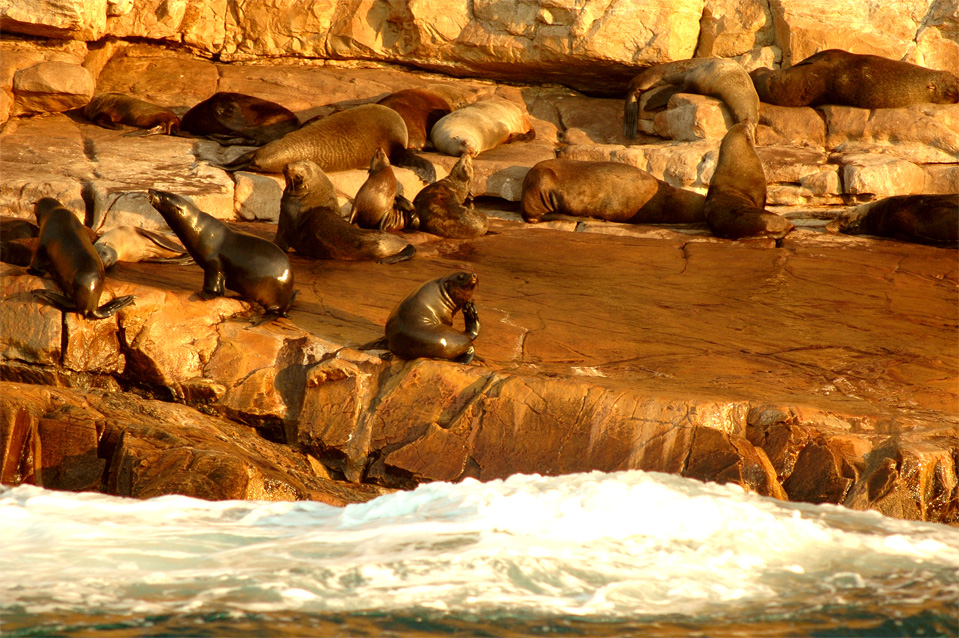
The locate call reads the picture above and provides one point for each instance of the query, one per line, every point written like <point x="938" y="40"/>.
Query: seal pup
<point x="65" y="251"/>
<point x="310" y="222"/>
<point x="132" y="244"/>
<point x="442" y="209"/>
<point x="231" y="260"/>
<point x="111" y="109"/>
<point x="922" y="219"/>
<point x="341" y="141"/>
<point x="835" y="76"/>
<point x="420" y="109"/>
<point x="422" y="324"/>
<point x="377" y="204"/>
<point x="736" y="199"/>
<point x="237" y="118"/>
<point x="606" y="190"/>
<point x="481" y="126"/>
<point x="726" y="80"/>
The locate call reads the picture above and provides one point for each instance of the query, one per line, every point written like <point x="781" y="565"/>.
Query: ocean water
<point x="597" y="554"/>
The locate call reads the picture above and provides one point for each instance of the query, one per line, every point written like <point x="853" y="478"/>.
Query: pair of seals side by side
<point x="421" y="325"/>
<point x="377" y="205"/>
<point x="441" y="206"/>
<point x="835" y="76"/>
<point x="736" y="199"/>
<point x="310" y="222"/>
<point x="231" y="260"/>
<point x="420" y="109"/>
<point x="921" y="219"/>
<point x="605" y="190"/>
<point x="66" y="252"/>
<point x="481" y="126"/>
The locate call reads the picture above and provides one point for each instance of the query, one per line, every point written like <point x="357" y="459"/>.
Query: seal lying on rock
<point x="66" y="252"/>
<point x="339" y="142"/>
<point x="237" y="118"/>
<point x="736" y="199"/>
<point x="606" y="190"/>
<point x="835" y="76"/>
<point x="420" y="109"/>
<point x="111" y="109"/>
<point x="376" y="204"/>
<point x="132" y="244"/>
<point x="441" y="206"/>
<point x="481" y="126"/>
<point x="726" y="80"/>
<point x="310" y="222"/>
<point x="923" y="219"/>
<point x="231" y="260"/>
<point x="422" y="324"/>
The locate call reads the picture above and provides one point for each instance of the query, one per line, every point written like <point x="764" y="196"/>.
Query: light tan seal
<point x="481" y="126"/>
<point x="442" y="209"/>
<point x="133" y="244"/>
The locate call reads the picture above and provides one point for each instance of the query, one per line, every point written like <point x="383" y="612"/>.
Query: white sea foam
<point x="610" y="545"/>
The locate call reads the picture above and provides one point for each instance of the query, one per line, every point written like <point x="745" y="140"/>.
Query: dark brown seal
<point x="237" y="118"/>
<point x="606" y="190"/>
<point x="726" y="80"/>
<point x="736" y="199"/>
<point x="420" y="109"/>
<point x="376" y="204"/>
<point x="231" y="260"/>
<point x="340" y="142"/>
<point x="922" y="219"/>
<point x="422" y="324"/>
<point x="109" y="110"/>
<point x="851" y="79"/>
<point x="310" y="222"/>
<point x="65" y="251"/>
<point x="441" y="206"/>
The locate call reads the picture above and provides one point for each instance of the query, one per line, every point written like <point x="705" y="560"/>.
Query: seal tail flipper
<point x="60" y="301"/>
<point x="110" y="309"/>
<point x="243" y="162"/>
<point x="403" y="255"/>
<point x="631" y="116"/>
<point x="419" y="165"/>
<point x="377" y="344"/>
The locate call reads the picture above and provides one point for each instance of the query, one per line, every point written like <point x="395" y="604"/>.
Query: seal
<point x="921" y="219"/>
<point x="111" y="109"/>
<point x="237" y="118"/>
<point x="420" y="109"/>
<point x="65" y="251"/>
<point x="310" y="222"/>
<point x="342" y="141"/>
<point x="606" y="190"/>
<point x="441" y="206"/>
<point x="481" y="126"/>
<point x="736" y="199"/>
<point x="422" y="324"/>
<point x="231" y="260"/>
<point x="726" y="80"/>
<point x="835" y="76"/>
<point x="376" y="204"/>
<point x="132" y="244"/>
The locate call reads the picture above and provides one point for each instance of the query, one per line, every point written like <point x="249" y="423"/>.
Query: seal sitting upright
<point x="65" y="250"/>
<point x="377" y="204"/>
<point x="422" y="324"/>
<point x="231" y="260"/>
<point x="441" y="206"/>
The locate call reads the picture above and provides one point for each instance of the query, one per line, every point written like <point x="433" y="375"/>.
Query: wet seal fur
<point x="422" y="324"/>
<point x="237" y="118"/>
<point x="442" y="209"/>
<point x="111" y="109"/>
<point x="726" y="80"/>
<point x="66" y="252"/>
<point x="133" y="244"/>
<point x="481" y="126"/>
<point x="838" y="77"/>
<point x="377" y="204"/>
<point x="606" y="190"/>
<point x="921" y="219"/>
<point x="310" y="222"/>
<point x="736" y="199"/>
<point x="231" y="260"/>
<point x="420" y="109"/>
<point x="339" y="142"/>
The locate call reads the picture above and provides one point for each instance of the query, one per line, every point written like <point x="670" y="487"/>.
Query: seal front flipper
<point x="419" y="165"/>
<point x="403" y="255"/>
<point x="243" y="162"/>
<point x="466" y="357"/>
<point x="214" y="281"/>
<point x="60" y="301"/>
<point x="110" y="309"/>
<point x="471" y="319"/>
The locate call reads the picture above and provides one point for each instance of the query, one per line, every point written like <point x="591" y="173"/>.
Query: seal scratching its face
<point x="442" y="209"/>
<point x="922" y="219"/>
<point x="65" y="251"/>
<point x="231" y="260"/>
<point x="422" y="324"/>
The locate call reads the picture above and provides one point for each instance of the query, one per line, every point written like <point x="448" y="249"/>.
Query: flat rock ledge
<point x="823" y="371"/>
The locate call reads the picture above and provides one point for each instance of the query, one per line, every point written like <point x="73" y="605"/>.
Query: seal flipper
<point x="660" y="97"/>
<point x="60" y="301"/>
<point x="243" y="162"/>
<point x="403" y="255"/>
<point x="159" y="129"/>
<point x="377" y="344"/>
<point x="471" y="318"/>
<point x="466" y="357"/>
<point x="110" y="309"/>
<point x="631" y="116"/>
<point x="161" y="240"/>
<point x="419" y="165"/>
